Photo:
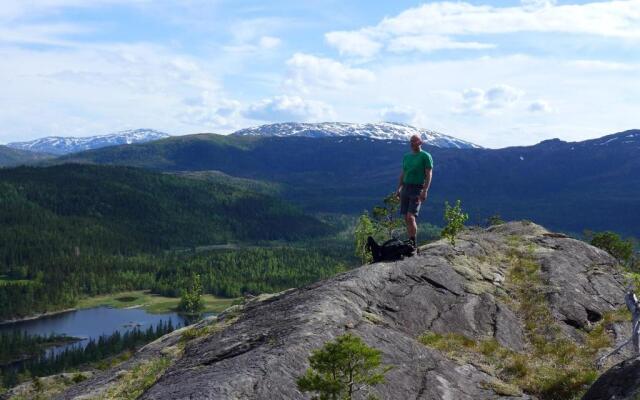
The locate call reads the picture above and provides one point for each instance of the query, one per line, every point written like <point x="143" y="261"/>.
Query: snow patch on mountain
<point x="380" y="131"/>
<point x="60" y="145"/>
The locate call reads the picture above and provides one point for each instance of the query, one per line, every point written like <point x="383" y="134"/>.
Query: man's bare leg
<point x="412" y="227"/>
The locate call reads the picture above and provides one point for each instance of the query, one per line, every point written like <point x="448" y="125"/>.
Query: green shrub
<point x="364" y="229"/>
<point x="77" y="378"/>
<point x="454" y="219"/>
<point x="380" y="225"/>
<point x="612" y="243"/>
<point x="494" y="220"/>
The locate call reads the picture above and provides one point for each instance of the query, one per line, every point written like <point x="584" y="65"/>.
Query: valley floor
<point x="150" y="302"/>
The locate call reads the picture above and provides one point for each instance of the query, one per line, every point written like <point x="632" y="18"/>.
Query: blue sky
<point x="498" y="73"/>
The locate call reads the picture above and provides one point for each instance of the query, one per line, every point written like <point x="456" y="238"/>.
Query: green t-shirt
<point x="414" y="164"/>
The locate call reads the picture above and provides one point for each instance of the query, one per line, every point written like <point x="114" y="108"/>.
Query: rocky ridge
<point x="256" y="351"/>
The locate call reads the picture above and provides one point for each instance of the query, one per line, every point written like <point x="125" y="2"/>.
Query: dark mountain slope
<point x="569" y="186"/>
<point x="11" y="157"/>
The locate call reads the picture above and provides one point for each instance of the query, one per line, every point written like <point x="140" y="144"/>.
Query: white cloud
<point x="210" y="111"/>
<point x="473" y="99"/>
<point x="605" y="65"/>
<point x="355" y="43"/>
<point x="45" y="34"/>
<point x="306" y="71"/>
<point x="252" y="35"/>
<point x="93" y="88"/>
<point x="540" y="106"/>
<point x="502" y="96"/>
<point x="262" y="44"/>
<point x="21" y="22"/>
<point x="496" y="98"/>
<point x="537" y="4"/>
<point x="17" y="9"/>
<point x="288" y="108"/>
<point x="430" y="26"/>
<point x="613" y="18"/>
<point x="269" y="42"/>
<point x="436" y="88"/>
<point x="428" y="43"/>
<point x="402" y="114"/>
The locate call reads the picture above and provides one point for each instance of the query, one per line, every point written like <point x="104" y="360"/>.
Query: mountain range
<point x="58" y="145"/>
<point x="18" y="153"/>
<point x="379" y="131"/>
<point x="569" y="186"/>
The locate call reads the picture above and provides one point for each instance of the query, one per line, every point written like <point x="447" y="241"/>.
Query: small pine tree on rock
<point x="454" y="219"/>
<point x="380" y="225"/>
<point x="342" y="368"/>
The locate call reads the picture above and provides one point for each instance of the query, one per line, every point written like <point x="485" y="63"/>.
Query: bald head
<point x="415" y="141"/>
<point x="416" y="138"/>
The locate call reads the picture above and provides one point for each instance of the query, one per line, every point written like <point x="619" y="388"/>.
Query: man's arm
<point x="428" y="174"/>
<point x="400" y="183"/>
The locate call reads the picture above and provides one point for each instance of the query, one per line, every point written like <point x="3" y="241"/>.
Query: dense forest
<point x="124" y="209"/>
<point x="61" y="283"/>
<point x="75" y="230"/>
<point x="19" y="345"/>
<point x="259" y="270"/>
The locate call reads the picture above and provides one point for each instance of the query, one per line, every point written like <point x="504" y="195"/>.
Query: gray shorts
<point x="410" y="199"/>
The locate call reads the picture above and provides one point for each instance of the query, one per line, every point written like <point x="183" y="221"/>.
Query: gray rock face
<point x="621" y="382"/>
<point x="444" y="289"/>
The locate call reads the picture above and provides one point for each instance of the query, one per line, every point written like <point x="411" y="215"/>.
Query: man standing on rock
<point x="415" y="179"/>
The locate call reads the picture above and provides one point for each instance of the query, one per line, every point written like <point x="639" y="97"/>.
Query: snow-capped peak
<point x="381" y="131"/>
<point x="64" y="145"/>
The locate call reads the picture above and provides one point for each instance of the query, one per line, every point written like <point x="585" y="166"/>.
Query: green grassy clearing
<point x="150" y="302"/>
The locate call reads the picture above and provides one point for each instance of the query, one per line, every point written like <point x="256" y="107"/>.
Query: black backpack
<point x="391" y="250"/>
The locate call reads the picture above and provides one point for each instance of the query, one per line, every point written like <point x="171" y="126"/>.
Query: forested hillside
<point x="73" y="230"/>
<point x="119" y="209"/>
<point x="10" y="157"/>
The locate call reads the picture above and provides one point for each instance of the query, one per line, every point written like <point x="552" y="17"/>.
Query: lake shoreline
<point x="37" y="316"/>
<point x="143" y="299"/>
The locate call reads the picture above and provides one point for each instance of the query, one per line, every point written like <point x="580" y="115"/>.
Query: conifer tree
<point x="342" y="368"/>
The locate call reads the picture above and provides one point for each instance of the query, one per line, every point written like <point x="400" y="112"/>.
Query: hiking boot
<point x="414" y="248"/>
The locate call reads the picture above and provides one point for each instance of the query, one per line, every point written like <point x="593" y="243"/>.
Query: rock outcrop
<point x="621" y="382"/>
<point x="257" y="351"/>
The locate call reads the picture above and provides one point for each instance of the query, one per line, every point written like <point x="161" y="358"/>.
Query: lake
<point x="91" y="323"/>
